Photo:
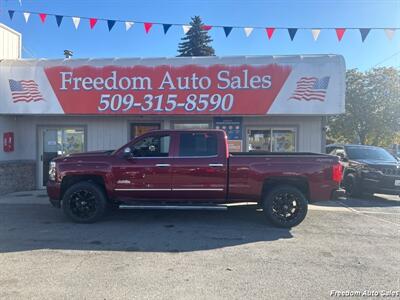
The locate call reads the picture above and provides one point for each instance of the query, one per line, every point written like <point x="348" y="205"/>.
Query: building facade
<point x="56" y="107"/>
<point x="15" y="174"/>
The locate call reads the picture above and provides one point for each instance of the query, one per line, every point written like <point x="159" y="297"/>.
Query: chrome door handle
<point x="215" y="165"/>
<point x="163" y="165"/>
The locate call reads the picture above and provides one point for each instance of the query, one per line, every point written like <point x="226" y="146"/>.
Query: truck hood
<point x="89" y="154"/>
<point x="377" y="163"/>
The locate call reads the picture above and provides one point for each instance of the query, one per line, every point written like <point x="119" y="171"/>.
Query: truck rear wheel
<point x="84" y="202"/>
<point x="285" y="206"/>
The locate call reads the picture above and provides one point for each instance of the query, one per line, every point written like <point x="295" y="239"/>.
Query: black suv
<point x="368" y="170"/>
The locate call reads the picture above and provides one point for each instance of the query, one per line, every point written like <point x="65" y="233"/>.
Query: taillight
<point x="337" y="173"/>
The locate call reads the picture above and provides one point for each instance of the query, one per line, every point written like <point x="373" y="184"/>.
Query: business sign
<point x="231" y="125"/>
<point x="235" y="146"/>
<point x="233" y="128"/>
<point x="209" y="86"/>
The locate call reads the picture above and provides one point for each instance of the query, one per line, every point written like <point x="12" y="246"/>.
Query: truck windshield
<point x="369" y="153"/>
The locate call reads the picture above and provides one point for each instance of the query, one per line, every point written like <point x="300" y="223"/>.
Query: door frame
<point x="39" y="146"/>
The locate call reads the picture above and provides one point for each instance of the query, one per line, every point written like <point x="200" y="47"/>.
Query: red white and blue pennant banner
<point x="364" y="32"/>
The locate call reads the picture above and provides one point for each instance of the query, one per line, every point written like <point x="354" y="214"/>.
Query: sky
<point x="48" y="41"/>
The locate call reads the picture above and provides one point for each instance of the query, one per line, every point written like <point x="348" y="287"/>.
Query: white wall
<point x="10" y="48"/>
<point x="10" y="43"/>
<point x="111" y="132"/>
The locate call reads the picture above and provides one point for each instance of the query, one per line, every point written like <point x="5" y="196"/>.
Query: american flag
<point x="311" y="88"/>
<point x="25" y="91"/>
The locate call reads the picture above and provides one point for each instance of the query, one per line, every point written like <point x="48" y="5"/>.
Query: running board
<point x="175" y="207"/>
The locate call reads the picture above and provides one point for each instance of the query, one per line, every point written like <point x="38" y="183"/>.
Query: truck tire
<point x="285" y="206"/>
<point x="351" y="186"/>
<point x="84" y="202"/>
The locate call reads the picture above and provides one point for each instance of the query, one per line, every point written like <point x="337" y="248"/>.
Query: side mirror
<point x="128" y="153"/>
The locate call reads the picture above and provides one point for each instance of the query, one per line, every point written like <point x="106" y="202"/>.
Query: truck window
<point x="198" y="144"/>
<point x="152" y="146"/>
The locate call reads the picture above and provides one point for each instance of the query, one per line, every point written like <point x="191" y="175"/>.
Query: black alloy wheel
<point x="285" y="206"/>
<point x="351" y="186"/>
<point x="84" y="202"/>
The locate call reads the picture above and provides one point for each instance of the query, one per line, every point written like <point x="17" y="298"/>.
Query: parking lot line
<point x="368" y="215"/>
<point x="329" y="206"/>
<point x="380" y="213"/>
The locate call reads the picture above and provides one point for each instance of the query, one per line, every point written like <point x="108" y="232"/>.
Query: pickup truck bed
<point x="250" y="172"/>
<point x="191" y="168"/>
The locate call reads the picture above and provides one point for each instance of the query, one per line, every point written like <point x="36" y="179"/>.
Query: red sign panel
<point x="188" y="89"/>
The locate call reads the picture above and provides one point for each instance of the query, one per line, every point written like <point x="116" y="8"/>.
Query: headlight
<point x="370" y="172"/>
<point x="52" y="171"/>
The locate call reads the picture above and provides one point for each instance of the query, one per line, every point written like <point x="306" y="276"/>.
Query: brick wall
<point x="17" y="176"/>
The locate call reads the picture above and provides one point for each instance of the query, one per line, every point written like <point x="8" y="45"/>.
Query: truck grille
<point x="391" y="171"/>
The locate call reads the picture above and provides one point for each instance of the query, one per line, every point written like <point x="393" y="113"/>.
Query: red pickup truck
<point x="191" y="170"/>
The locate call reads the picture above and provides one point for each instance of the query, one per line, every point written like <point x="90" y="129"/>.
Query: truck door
<point x="199" y="167"/>
<point x="146" y="173"/>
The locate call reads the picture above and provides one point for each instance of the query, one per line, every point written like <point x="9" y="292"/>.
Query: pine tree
<point x="196" y="41"/>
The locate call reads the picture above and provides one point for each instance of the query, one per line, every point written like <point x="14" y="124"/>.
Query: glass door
<point x="50" y="150"/>
<point x="55" y="142"/>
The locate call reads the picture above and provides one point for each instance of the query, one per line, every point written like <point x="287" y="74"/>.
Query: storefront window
<point x="188" y="125"/>
<point x="271" y="139"/>
<point x="139" y="129"/>
<point x="283" y="140"/>
<point x="72" y="141"/>
<point x="259" y="140"/>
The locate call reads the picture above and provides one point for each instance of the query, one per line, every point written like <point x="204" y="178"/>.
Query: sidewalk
<point x="25" y="197"/>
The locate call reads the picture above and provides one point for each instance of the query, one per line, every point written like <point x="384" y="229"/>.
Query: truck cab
<point x="177" y="165"/>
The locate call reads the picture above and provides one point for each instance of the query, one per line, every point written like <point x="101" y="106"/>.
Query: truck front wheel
<point x="84" y="202"/>
<point x="285" y="206"/>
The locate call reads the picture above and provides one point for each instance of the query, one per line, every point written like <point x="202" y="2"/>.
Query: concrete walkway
<point x="26" y="197"/>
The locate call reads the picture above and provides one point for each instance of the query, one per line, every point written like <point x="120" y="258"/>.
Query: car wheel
<point x="84" y="202"/>
<point x="285" y="206"/>
<point x="351" y="186"/>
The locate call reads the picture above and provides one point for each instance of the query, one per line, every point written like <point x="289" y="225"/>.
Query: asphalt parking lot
<point x="345" y="245"/>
